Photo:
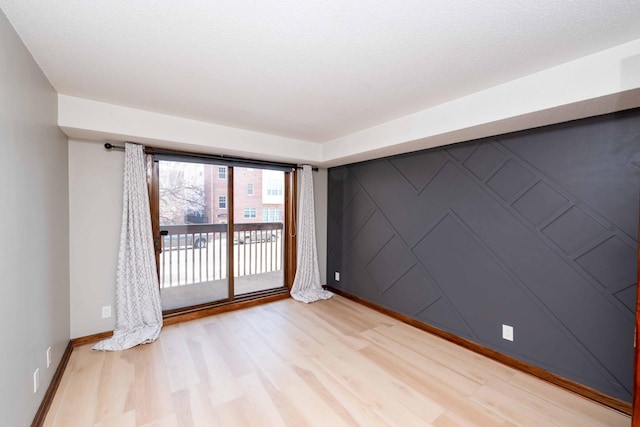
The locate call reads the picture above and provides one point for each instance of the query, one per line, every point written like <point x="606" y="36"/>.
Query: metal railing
<point x="197" y="253"/>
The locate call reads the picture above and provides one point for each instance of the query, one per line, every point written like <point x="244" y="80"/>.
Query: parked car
<point x="175" y="241"/>
<point x="242" y="237"/>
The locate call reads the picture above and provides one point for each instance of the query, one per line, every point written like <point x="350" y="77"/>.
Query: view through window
<point x="258" y="257"/>
<point x="194" y="216"/>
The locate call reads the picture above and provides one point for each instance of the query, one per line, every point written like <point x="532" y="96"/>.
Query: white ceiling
<point x="309" y="70"/>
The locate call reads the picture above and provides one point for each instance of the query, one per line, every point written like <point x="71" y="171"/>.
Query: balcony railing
<point x="197" y="253"/>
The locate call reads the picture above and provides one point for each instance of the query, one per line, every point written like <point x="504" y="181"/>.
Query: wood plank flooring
<point x="331" y="363"/>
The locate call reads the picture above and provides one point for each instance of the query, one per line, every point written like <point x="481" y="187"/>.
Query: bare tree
<point x="181" y="192"/>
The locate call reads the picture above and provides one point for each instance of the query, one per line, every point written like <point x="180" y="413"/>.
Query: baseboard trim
<point x="90" y="339"/>
<point x="198" y="312"/>
<point x="41" y="414"/>
<point x="582" y="390"/>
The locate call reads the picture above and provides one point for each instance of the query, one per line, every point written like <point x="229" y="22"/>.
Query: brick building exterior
<point x="258" y="195"/>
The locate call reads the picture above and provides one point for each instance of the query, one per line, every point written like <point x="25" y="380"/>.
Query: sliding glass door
<point x="258" y="230"/>
<point x="193" y="222"/>
<point x="212" y="219"/>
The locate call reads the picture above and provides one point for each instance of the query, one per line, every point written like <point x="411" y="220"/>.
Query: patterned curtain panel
<point x="306" y="285"/>
<point x="138" y="311"/>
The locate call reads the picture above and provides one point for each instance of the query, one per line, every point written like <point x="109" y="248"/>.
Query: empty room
<point x="280" y="213"/>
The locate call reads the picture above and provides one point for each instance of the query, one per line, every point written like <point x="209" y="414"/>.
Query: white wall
<point x="95" y="209"/>
<point x="95" y="204"/>
<point x="34" y="225"/>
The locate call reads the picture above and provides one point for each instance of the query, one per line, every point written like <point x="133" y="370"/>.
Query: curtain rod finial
<point x="110" y="146"/>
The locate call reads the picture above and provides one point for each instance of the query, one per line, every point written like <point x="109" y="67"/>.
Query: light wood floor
<point x="331" y="363"/>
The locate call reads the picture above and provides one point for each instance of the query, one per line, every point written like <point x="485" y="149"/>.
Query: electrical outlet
<point x="49" y="357"/>
<point x="337" y="276"/>
<point x="106" y="311"/>
<point x="507" y="332"/>
<point x="36" y="380"/>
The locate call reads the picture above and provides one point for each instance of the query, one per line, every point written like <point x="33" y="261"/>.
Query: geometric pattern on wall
<point x="535" y="229"/>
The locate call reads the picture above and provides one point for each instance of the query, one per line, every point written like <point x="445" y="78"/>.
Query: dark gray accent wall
<point x="536" y="229"/>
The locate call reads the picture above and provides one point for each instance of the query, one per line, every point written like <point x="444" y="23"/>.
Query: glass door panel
<point x="193" y="213"/>
<point x="258" y="201"/>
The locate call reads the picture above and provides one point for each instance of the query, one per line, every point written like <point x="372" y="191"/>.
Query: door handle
<point x="158" y="241"/>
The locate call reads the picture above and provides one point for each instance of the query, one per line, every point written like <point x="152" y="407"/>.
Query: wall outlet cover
<point x="36" y="380"/>
<point x="337" y="276"/>
<point x="106" y="311"/>
<point x="507" y="332"/>
<point x="49" y="357"/>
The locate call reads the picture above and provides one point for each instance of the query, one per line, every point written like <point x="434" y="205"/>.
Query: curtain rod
<point x="110" y="146"/>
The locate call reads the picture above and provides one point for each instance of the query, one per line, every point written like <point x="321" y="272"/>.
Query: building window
<point x="272" y="215"/>
<point x="274" y="187"/>
<point x="250" y="213"/>
<point x="222" y="202"/>
<point x="250" y="189"/>
<point x="222" y="172"/>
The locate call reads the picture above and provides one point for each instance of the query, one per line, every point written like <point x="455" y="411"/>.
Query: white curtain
<point x="137" y="306"/>
<point x="306" y="285"/>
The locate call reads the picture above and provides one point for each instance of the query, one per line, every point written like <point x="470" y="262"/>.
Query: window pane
<point x="258" y="233"/>
<point x="274" y="187"/>
<point x="272" y="215"/>
<point x="222" y="172"/>
<point x="193" y="213"/>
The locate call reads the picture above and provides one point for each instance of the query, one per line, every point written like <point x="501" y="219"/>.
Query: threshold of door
<point x="171" y="317"/>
